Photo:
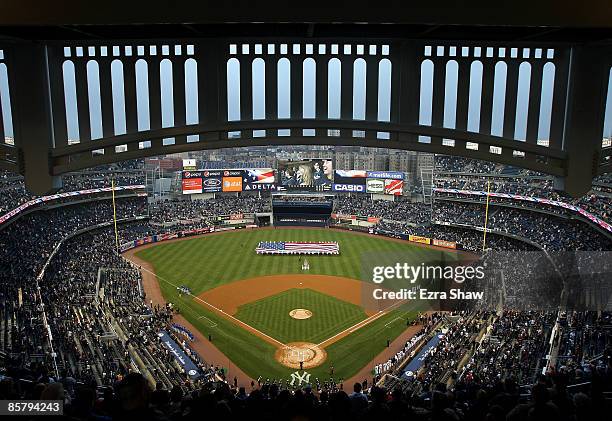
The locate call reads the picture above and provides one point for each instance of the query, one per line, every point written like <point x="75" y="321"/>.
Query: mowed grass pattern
<point x="209" y="261"/>
<point x="329" y="316"/>
<point x="212" y="260"/>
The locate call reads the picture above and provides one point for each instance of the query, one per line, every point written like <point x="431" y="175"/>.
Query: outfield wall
<point x="199" y="231"/>
<point x="177" y="234"/>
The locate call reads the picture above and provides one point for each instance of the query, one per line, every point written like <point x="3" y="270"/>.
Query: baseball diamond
<point x="246" y="298"/>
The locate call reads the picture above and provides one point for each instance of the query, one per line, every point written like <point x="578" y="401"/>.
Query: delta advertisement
<point x="214" y="181"/>
<point x="374" y="182"/>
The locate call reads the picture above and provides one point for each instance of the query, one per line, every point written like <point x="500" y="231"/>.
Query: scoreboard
<point x="231" y="180"/>
<point x="375" y="182"/>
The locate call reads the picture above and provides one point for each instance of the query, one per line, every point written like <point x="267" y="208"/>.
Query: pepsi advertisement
<point x="231" y="180"/>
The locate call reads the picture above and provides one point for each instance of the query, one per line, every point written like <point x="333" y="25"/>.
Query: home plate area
<point x="294" y="353"/>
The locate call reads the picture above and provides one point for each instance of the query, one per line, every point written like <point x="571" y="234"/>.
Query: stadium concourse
<point x="60" y="273"/>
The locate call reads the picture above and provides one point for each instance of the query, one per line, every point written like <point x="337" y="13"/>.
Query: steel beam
<point x="32" y="118"/>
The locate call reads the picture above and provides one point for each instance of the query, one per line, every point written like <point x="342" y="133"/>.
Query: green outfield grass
<point x="329" y="316"/>
<point x="209" y="261"/>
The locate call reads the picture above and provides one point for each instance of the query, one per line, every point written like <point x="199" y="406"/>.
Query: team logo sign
<point x="297" y="379"/>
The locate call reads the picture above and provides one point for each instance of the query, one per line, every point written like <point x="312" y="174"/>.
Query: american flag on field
<point x="289" y="247"/>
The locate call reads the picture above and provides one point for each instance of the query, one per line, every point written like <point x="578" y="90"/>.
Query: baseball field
<point x="265" y="314"/>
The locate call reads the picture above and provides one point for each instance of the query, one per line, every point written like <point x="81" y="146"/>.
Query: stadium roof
<point x="516" y="20"/>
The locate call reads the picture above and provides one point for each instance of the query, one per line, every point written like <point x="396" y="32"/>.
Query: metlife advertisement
<point x="373" y="182"/>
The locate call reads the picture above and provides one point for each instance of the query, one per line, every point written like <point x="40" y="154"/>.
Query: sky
<point x="309" y="82"/>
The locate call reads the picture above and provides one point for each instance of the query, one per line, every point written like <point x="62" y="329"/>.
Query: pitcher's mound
<point x="300" y="313"/>
<point x="310" y="354"/>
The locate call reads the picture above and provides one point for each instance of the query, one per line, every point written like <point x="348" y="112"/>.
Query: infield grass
<point x="329" y="316"/>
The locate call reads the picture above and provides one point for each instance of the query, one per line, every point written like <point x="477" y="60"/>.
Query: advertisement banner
<point x="374" y="185"/>
<point x="196" y="231"/>
<point x="214" y="181"/>
<point x="350" y="177"/>
<point x="192" y="174"/>
<point x="259" y="176"/>
<point x="419" y="239"/>
<point x="177" y="352"/>
<point x="259" y="187"/>
<point x="232" y="184"/>
<point x="189" y="164"/>
<point x="192" y="185"/>
<point x="164" y="237"/>
<point x="392" y="175"/>
<point x="211" y="184"/>
<point x="444" y="243"/>
<point x="349" y="188"/>
<point x="236" y="216"/>
<point x="232" y="173"/>
<point x="417" y="362"/>
<point x="394" y="187"/>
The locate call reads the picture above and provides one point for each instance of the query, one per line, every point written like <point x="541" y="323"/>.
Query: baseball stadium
<point x="283" y="213"/>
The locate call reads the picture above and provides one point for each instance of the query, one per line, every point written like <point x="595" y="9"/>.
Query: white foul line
<point x="213" y="307"/>
<point x="351" y="329"/>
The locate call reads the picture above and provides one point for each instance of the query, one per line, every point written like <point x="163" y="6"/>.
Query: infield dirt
<point x="230" y="296"/>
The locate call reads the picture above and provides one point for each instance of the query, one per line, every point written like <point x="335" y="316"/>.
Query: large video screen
<point x="374" y="182"/>
<point x="215" y="181"/>
<point x="309" y="174"/>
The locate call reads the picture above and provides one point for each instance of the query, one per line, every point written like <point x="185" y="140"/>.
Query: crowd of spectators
<point x="107" y="352"/>
<point x="462" y="174"/>
<point x="91" y="298"/>
<point x="513" y="348"/>
<point x="416" y="213"/>
<point x="14" y="193"/>
<point x="548" y="231"/>
<point x="584" y="342"/>
<point x="172" y="211"/>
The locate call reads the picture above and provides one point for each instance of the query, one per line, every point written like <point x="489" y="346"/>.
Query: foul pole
<point x="484" y="236"/>
<point x="115" y="215"/>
